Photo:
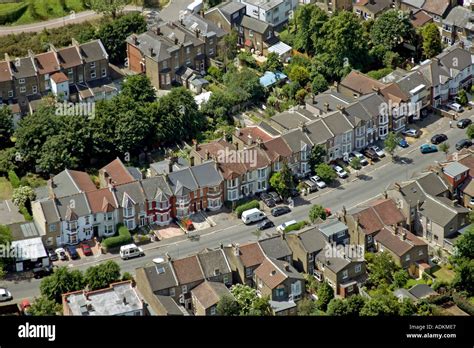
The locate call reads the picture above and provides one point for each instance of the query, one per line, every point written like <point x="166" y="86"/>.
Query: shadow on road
<point x="402" y="160"/>
<point x="364" y="177"/>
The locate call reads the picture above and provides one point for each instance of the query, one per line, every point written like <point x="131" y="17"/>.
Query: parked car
<point x="340" y="172"/>
<point x="414" y="133"/>
<point x="72" y="252"/>
<point x="378" y="151"/>
<point x="266" y="223"/>
<point x="403" y="143"/>
<point x="317" y="180"/>
<point x="41" y="272"/>
<point x="5" y="295"/>
<point x="61" y="254"/>
<point x="252" y="215"/>
<point x="463" y="123"/>
<point x="438" y="138"/>
<point x="52" y="255"/>
<point x="370" y="153"/>
<point x="455" y="107"/>
<point x="461" y="144"/>
<point x="284" y="225"/>
<point x="361" y="157"/>
<point x="428" y="148"/>
<point x="86" y="249"/>
<point x="276" y="197"/>
<point x="130" y="250"/>
<point x="280" y="211"/>
<point x="294" y="193"/>
<point x="267" y="200"/>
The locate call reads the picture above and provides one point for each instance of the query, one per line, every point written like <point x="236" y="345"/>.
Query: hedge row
<point x="124" y="237"/>
<point x="296" y="227"/>
<point x="12" y="15"/>
<point x="14" y="179"/>
<point x="250" y="205"/>
<point x="463" y="303"/>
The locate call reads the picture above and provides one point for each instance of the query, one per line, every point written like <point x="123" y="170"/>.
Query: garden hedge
<point x="250" y="205"/>
<point x="123" y="237"/>
<point x="13" y="14"/>
<point x="296" y="227"/>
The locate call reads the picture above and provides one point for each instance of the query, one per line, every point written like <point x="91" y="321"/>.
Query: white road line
<point x="6" y="202"/>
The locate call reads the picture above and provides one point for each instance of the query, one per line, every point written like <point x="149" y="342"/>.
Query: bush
<point x="296" y="227"/>
<point x="26" y="214"/>
<point x="14" y="179"/>
<point x="439" y="299"/>
<point x="463" y="303"/>
<point x="124" y="237"/>
<point x="13" y="13"/>
<point x="250" y="205"/>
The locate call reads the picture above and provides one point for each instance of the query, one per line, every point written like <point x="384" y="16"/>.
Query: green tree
<point x="424" y="308"/>
<point x="400" y="278"/>
<point x="283" y="181"/>
<point x="391" y="142"/>
<point x="381" y="268"/>
<point x="325" y="295"/>
<point x="317" y="212"/>
<point x="299" y="74"/>
<point x="230" y="45"/>
<point x="8" y="160"/>
<point x="249" y="302"/>
<point x="100" y="276"/>
<point x="337" y="307"/>
<point x="23" y="195"/>
<point x="228" y="306"/>
<point x="462" y="97"/>
<point x="317" y="156"/>
<point x="444" y="147"/>
<point x="470" y="131"/>
<point x="355" y="303"/>
<point x="464" y="247"/>
<point x="60" y="282"/>
<point x="109" y="7"/>
<point x="306" y="307"/>
<point x="464" y="276"/>
<point x="431" y="37"/>
<point x="138" y="88"/>
<point x="407" y="308"/>
<point x="6" y="127"/>
<point x="243" y="86"/>
<point x="391" y="29"/>
<point x="355" y="163"/>
<point x="319" y="83"/>
<point x="43" y="306"/>
<point x="5" y="240"/>
<point x="325" y="172"/>
<point x="273" y="63"/>
<point x="308" y="21"/>
<point x="383" y="305"/>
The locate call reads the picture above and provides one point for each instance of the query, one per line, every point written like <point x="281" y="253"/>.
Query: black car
<point x="72" y="252"/>
<point x="463" y="143"/>
<point x="52" y="255"/>
<point x="280" y="211"/>
<point x="464" y="123"/>
<point x="294" y="193"/>
<point x="275" y="196"/>
<point x="265" y="224"/>
<point x="439" y="138"/>
<point x="370" y="153"/>
<point x="42" y="272"/>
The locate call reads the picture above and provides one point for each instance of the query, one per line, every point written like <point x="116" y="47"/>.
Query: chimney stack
<point x="398" y="187"/>
<point x="167" y="256"/>
<point x="326" y="107"/>
<point x="170" y="165"/>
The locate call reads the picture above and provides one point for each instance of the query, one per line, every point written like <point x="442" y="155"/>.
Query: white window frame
<point x="93" y="74"/>
<point x="345" y="274"/>
<point x="22" y="89"/>
<point x="10" y="94"/>
<point x="358" y="268"/>
<point x="21" y="81"/>
<point x="184" y="289"/>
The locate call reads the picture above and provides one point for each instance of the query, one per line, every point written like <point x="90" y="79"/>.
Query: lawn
<point x="413" y="282"/>
<point x="41" y="10"/>
<point x="444" y="274"/>
<point x="6" y="189"/>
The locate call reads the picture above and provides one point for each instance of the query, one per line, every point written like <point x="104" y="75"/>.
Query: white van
<point x="456" y="107"/>
<point x="252" y="215"/>
<point x="130" y="250"/>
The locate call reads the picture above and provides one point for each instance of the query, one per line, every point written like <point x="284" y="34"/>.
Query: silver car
<point x="5" y="295"/>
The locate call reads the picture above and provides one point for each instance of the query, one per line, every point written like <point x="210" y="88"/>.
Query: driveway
<point x="171" y="12"/>
<point x="9" y="213"/>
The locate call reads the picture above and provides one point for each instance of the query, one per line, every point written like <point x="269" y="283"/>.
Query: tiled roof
<point x="69" y="57"/>
<point x="118" y="172"/>
<point x="361" y="83"/>
<point x="396" y="243"/>
<point x="101" y="201"/>
<point x="188" y="270"/>
<point x="251" y="254"/>
<point x="47" y="63"/>
<point x="270" y="274"/>
<point x="377" y="214"/>
<point x="437" y="7"/>
<point x="209" y="293"/>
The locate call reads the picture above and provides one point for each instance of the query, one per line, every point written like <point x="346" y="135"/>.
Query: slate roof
<point x="156" y="188"/>
<point x="318" y="132"/>
<point x="331" y="227"/>
<point x="335" y="264"/>
<point x="421" y="291"/>
<point x="132" y="190"/>
<point x="329" y="98"/>
<point x="206" y="174"/>
<point x="182" y="182"/>
<point x="170" y="305"/>
<point x="206" y="27"/>
<point x="275" y="247"/>
<point x="161" y="276"/>
<point x="93" y="51"/>
<point x="440" y="211"/>
<point x="277" y="148"/>
<point x="78" y="204"/>
<point x="376" y="6"/>
<point x="212" y="261"/>
<point x="296" y="139"/>
<point x="337" y="122"/>
<point x="24" y="69"/>
<point x="311" y="239"/>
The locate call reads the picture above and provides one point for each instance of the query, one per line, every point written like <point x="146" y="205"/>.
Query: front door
<point x="96" y="231"/>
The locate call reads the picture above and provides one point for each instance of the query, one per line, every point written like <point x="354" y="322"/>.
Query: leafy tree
<point x="431" y="37"/>
<point x="317" y="156"/>
<point x="273" y="63"/>
<point x="113" y="34"/>
<point x="319" y="83"/>
<point x="391" y="142"/>
<point x="355" y="303"/>
<point x="229" y="46"/>
<point x="108" y="7"/>
<point x="407" y="308"/>
<point x="400" y="278"/>
<point x="337" y="307"/>
<point x="325" y="295"/>
<point x="465" y="244"/>
<point x="306" y="307"/>
<point x="464" y="278"/>
<point x="61" y="282"/>
<point x="308" y="21"/>
<point x="100" y="276"/>
<point x="470" y="131"/>
<point x="6" y="127"/>
<point x="43" y="306"/>
<point x="7" y="160"/>
<point x="444" y="147"/>
<point x="243" y="85"/>
<point x="283" y="181"/>
<point x="384" y="305"/>
<point x="317" y="212"/>
<point x="424" y="308"/>
<point x="391" y="29"/>
<point x="355" y="163"/>
<point x="228" y="306"/>
<point x="23" y="195"/>
<point x="312" y="284"/>
<point x="381" y="267"/>
<point x="462" y="97"/>
<point x="325" y="172"/>
<point x="299" y="74"/>
<point x="138" y="88"/>
<point x="249" y="302"/>
<point x="5" y="235"/>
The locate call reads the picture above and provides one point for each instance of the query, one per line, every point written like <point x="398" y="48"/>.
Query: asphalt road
<point x="350" y="193"/>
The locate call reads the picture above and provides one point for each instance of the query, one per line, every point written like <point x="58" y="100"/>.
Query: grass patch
<point x="413" y="282"/>
<point x="33" y="180"/>
<point x="444" y="274"/>
<point x="6" y="189"/>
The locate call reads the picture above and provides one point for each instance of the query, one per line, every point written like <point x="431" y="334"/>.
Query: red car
<point x="86" y="249"/>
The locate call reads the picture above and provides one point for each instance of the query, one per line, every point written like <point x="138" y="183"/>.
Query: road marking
<point x="6" y="202"/>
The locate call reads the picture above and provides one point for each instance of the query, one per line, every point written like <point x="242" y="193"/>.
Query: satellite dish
<point x="159" y="260"/>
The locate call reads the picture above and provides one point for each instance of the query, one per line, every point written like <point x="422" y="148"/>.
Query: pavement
<point x="351" y="192"/>
<point x="73" y="18"/>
